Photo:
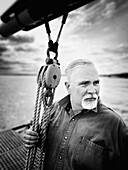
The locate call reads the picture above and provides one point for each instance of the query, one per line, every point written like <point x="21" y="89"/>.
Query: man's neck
<point x="76" y="109"/>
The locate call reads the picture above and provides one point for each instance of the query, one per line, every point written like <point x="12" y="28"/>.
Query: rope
<point x="31" y="152"/>
<point x="40" y="97"/>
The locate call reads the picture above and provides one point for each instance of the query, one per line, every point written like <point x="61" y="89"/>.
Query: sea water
<point x="18" y="95"/>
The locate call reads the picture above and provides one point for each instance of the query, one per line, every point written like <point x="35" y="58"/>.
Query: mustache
<point x="90" y="96"/>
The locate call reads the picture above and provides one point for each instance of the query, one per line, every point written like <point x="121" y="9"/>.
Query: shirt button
<point x="65" y="137"/>
<point x="60" y="157"/>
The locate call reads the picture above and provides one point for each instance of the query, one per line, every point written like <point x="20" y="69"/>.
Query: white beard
<point x="87" y="104"/>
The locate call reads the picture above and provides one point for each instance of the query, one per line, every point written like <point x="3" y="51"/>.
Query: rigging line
<point x="63" y="22"/>
<point x="48" y="30"/>
<point x="47" y="26"/>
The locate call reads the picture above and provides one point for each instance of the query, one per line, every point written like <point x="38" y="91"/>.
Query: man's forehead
<point x="84" y="69"/>
<point x="84" y="73"/>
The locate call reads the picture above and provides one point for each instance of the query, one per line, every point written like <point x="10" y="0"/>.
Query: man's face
<point x="84" y="87"/>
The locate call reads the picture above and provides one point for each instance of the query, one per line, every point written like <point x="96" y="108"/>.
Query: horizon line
<point x="123" y="75"/>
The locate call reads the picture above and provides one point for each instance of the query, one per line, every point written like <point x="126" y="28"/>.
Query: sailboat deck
<point x="13" y="152"/>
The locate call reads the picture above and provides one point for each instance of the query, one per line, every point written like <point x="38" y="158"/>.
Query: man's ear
<point x="67" y="85"/>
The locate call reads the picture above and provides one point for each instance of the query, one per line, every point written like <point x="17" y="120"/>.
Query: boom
<point x="28" y="14"/>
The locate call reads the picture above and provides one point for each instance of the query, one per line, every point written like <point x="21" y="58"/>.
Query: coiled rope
<point x="40" y="98"/>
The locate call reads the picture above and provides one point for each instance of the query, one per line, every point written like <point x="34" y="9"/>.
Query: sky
<point x="97" y="31"/>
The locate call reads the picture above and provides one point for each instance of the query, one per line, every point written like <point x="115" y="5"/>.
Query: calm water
<point x="18" y="94"/>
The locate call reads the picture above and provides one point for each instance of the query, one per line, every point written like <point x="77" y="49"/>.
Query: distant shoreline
<point x="18" y="74"/>
<point x="117" y="75"/>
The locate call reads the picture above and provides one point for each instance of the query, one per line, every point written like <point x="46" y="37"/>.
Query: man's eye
<point x="96" y="82"/>
<point x="84" y="84"/>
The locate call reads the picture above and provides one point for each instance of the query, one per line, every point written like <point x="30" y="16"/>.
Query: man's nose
<point x="91" y="89"/>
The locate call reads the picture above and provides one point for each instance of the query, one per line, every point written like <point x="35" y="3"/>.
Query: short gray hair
<point x="75" y="63"/>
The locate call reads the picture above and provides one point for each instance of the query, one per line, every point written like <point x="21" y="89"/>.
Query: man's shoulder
<point x="112" y="118"/>
<point x="61" y="103"/>
<point x="64" y="101"/>
<point x="56" y="108"/>
<point x="109" y="113"/>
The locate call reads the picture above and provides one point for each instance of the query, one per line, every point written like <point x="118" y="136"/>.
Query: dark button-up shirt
<point x="90" y="140"/>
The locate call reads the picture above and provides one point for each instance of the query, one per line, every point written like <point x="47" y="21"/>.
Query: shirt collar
<point x="94" y="110"/>
<point x="66" y="104"/>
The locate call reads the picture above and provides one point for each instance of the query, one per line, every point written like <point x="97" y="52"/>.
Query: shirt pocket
<point x="89" y="155"/>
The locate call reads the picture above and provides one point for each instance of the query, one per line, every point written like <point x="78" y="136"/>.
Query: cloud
<point x="17" y="39"/>
<point x="3" y="49"/>
<point x="25" y="49"/>
<point x="16" y="43"/>
<point x="21" y="39"/>
<point x="4" y="64"/>
<point x="109" y="10"/>
<point x="106" y="8"/>
<point x="121" y="49"/>
<point x="17" y="54"/>
<point x="95" y="13"/>
<point x="121" y="5"/>
<point x="7" y="66"/>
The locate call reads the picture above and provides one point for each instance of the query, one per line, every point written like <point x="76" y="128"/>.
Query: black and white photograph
<point x="64" y="85"/>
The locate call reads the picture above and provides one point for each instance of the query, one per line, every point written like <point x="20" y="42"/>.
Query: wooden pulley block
<point x="52" y="76"/>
